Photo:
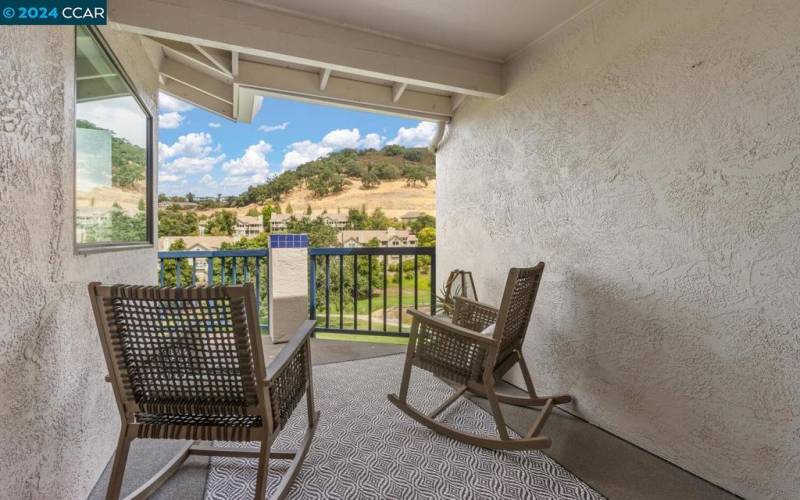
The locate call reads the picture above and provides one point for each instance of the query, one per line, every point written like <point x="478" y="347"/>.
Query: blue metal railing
<point x="218" y="267"/>
<point x="360" y="277"/>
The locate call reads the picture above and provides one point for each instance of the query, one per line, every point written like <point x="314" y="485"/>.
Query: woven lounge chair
<point x="458" y="352"/>
<point x="187" y="364"/>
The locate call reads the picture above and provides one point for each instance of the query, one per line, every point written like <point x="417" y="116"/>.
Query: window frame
<point x="149" y="242"/>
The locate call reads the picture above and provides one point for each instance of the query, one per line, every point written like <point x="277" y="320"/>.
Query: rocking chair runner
<point x="457" y="352"/>
<point x="188" y="364"/>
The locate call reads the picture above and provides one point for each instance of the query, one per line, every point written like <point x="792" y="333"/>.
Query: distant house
<point x="278" y="222"/>
<point x="411" y="216"/>
<point x="387" y="238"/>
<point x="184" y="205"/>
<point x="248" y="226"/>
<point x="196" y="243"/>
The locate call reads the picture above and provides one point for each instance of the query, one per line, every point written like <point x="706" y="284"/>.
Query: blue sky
<point x="206" y="154"/>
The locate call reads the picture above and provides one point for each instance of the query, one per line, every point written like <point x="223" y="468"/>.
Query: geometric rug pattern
<point x="365" y="448"/>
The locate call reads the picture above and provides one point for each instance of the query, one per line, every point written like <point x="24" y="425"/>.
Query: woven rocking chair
<point x="458" y="352"/>
<point x="188" y="364"/>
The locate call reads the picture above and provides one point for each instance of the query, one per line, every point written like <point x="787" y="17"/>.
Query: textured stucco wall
<point x="649" y="153"/>
<point x="58" y="421"/>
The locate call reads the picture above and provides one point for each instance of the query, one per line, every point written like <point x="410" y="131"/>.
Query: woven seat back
<point x="517" y="305"/>
<point x="182" y="351"/>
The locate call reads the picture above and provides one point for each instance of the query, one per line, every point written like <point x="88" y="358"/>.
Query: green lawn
<point x="354" y="337"/>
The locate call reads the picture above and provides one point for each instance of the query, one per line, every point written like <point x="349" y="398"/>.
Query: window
<point x="113" y="151"/>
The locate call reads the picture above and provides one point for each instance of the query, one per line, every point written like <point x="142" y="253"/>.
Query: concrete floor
<point x="612" y="466"/>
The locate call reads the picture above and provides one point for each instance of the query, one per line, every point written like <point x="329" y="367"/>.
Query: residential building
<point x="278" y="222"/>
<point x="389" y="238"/>
<point x="409" y="217"/>
<point x="196" y="243"/>
<point x="247" y="226"/>
<point x="184" y="205"/>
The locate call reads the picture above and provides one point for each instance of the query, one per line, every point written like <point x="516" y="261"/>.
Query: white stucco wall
<point x="649" y="153"/>
<point x="58" y="420"/>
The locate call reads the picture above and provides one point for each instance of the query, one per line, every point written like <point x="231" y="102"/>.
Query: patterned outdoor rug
<point x="366" y="448"/>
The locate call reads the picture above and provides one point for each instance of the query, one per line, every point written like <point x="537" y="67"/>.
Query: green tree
<point x="175" y="222"/>
<point x="421" y="223"/>
<point x="357" y="219"/>
<point x="427" y="237"/>
<point x="308" y="209"/>
<point x="414" y="174"/>
<point x="393" y="150"/>
<point x="266" y="216"/>
<point x="319" y="233"/>
<point x="373" y="243"/>
<point x="414" y="155"/>
<point x="289" y="209"/>
<point x="253" y="212"/>
<point x="370" y="180"/>
<point x="388" y="171"/>
<point x="190" y="197"/>
<point x="222" y="223"/>
<point x="171" y="266"/>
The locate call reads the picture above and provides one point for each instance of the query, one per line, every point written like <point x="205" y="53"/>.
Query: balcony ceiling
<point x="490" y="29"/>
<point x="412" y="58"/>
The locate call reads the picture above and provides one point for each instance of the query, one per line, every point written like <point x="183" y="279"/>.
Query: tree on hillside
<point x="277" y="209"/>
<point x="190" y="197"/>
<point x="393" y="150"/>
<point x="421" y="223"/>
<point x="416" y="174"/>
<point x="289" y="209"/>
<point x="253" y="212"/>
<point x="387" y="171"/>
<point x="308" y="209"/>
<point x="414" y="155"/>
<point x="175" y="222"/>
<point x="370" y="180"/>
<point x="222" y="223"/>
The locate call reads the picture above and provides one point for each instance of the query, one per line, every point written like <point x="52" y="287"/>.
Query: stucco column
<point x="288" y="284"/>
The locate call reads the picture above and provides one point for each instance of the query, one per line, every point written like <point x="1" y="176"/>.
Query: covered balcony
<point x="647" y="151"/>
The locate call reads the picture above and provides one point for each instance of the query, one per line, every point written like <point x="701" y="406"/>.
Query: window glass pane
<point x="111" y="141"/>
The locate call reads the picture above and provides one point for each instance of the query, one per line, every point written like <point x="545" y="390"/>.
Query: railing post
<point x="312" y="285"/>
<point x="433" y="282"/>
<point x="288" y="285"/>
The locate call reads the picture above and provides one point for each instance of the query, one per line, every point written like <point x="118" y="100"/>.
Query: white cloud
<point x="189" y="165"/>
<point x="253" y="161"/>
<point x="165" y="177"/>
<point x="272" y="128"/>
<point x="193" y="144"/>
<point x="207" y="180"/>
<point x="342" y="138"/>
<point x="168" y="103"/>
<point x="173" y="119"/>
<point x="214" y="125"/>
<point x="372" y="141"/>
<point x="121" y="115"/>
<point x="250" y="168"/>
<point x="306" y="151"/>
<point x="191" y="154"/>
<point x="244" y="181"/>
<point x="416" y="137"/>
<point x="303" y="152"/>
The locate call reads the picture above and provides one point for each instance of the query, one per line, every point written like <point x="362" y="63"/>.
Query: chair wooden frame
<point x="270" y="394"/>
<point x="458" y="353"/>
